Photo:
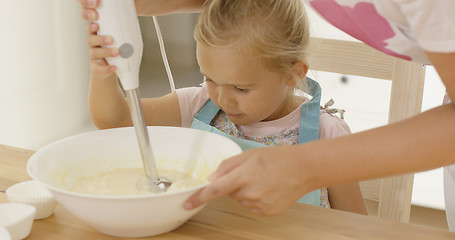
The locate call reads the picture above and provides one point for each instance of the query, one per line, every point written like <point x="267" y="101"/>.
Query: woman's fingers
<point x="220" y="187"/>
<point x="258" y="179"/>
<point x="227" y="166"/>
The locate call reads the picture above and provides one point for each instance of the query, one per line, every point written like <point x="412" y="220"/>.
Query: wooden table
<point x="225" y="219"/>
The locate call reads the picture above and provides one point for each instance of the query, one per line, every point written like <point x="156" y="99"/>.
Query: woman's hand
<point x="266" y="180"/>
<point x="99" y="67"/>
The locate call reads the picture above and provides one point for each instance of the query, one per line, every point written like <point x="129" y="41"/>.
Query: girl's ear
<point x="299" y="71"/>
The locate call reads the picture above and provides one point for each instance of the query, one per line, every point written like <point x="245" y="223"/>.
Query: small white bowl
<point x="35" y="194"/>
<point x="17" y="218"/>
<point x="4" y="234"/>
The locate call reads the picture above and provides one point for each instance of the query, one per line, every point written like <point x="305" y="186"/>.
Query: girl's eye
<point x="242" y="90"/>
<point x="208" y="80"/>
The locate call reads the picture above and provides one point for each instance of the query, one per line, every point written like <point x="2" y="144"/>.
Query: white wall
<point x="43" y="72"/>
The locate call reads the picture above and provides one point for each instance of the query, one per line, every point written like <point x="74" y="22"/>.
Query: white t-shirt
<point x="192" y="99"/>
<point x="401" y="28"/>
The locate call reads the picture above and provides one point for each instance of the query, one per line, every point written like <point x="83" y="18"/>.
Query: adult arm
<point x="271" y="179"/>
<point x="162" y="7"/>
<point x="146" y="7"/>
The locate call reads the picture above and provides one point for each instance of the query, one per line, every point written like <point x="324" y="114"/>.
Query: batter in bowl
<point x="123" y="182"/>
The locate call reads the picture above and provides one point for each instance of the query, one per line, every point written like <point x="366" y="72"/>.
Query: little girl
<point x="253" y="58"/>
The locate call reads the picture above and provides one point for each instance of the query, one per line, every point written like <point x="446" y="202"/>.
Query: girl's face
<point x="242" y="87"/>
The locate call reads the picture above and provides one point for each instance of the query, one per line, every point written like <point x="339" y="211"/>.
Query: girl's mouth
<point x="232" y="115"/>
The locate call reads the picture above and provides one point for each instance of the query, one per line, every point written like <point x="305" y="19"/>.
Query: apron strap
<point x="309" y="120"/>
<point x="309" y="131"/>
<point x="208" y="112"/>
<point x="205" y="116"/>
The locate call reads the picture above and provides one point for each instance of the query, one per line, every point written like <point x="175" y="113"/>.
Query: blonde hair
<point x="276" y="31"/>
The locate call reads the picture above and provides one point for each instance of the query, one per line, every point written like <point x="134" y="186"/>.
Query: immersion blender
<point x="118" y="19"/>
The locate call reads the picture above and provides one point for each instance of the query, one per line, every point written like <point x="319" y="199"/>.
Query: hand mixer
<point x="118" y="19"/>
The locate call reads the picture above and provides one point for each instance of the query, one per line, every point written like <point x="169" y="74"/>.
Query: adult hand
<point x="266" y="180"/>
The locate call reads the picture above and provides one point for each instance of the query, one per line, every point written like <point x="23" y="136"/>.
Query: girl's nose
<point x="224" y="97"/>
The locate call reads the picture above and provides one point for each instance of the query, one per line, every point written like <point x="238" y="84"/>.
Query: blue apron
<point x="308" y="130"/>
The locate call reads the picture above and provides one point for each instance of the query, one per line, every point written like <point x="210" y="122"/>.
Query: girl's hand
<point x="88" y="11"/>
<point x="99" y="67"/>
<point x="266" y="180"/>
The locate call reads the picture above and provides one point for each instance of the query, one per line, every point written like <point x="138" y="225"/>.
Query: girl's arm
<point x="347" y="197"/>
<point x="107" y="104"/>
<point x="260" y="181"/>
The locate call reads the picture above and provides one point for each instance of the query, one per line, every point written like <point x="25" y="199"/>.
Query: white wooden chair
<point x="355" y="58"/>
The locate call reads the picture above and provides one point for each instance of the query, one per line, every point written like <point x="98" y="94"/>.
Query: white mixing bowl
<point x="59" y="164"/>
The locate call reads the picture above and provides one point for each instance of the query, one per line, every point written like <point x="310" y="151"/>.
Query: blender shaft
<point x="142" y="135"/>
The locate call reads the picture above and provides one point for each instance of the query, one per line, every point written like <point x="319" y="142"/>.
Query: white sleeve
<point x="191" y="100"/>
<point x="331" y="126"/>
<point x="432" y="23"/>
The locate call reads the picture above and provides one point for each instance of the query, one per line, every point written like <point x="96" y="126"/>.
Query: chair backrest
<point x="356" y="58"/>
